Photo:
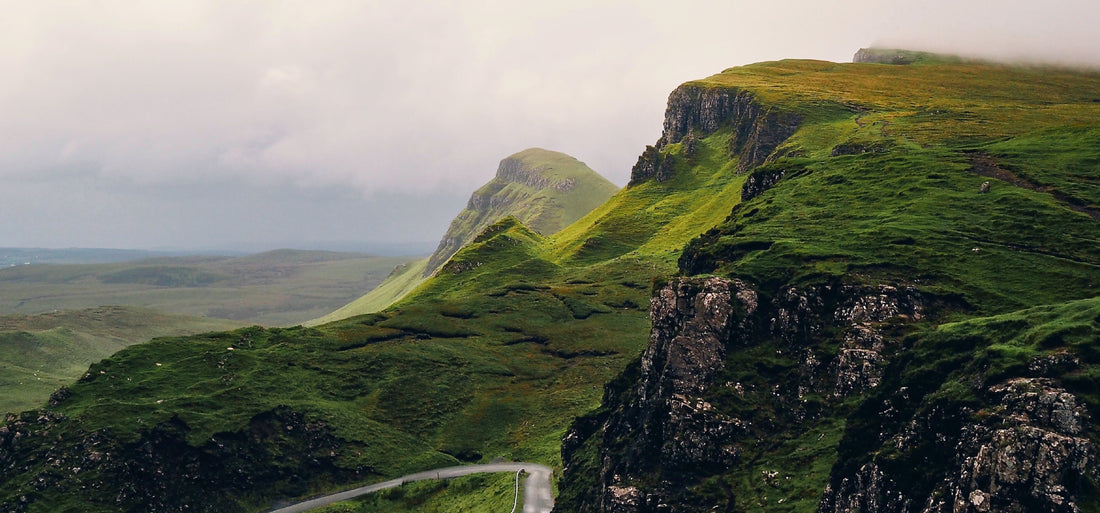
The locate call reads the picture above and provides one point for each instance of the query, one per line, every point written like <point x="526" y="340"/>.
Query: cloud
<point x="417" y="98"/>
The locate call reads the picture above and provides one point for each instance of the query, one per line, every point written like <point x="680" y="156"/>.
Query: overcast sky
<point x="252" y="124"/>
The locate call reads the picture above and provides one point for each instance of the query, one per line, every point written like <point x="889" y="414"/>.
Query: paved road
<point x="537" y="494"/>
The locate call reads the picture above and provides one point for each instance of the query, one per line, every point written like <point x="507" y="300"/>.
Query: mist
<point x="209" y="124"/>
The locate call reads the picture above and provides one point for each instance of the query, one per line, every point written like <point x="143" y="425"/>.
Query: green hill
<point x="881" y="203"/>
<point x="543" y="189"/>
<point x="836" y="217"/>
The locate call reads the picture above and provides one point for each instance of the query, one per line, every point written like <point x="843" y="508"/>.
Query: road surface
<point x="537" y="494"/>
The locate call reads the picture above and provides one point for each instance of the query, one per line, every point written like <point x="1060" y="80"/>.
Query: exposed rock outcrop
<point x="1030" y="454"/>
<point x="660" y="434"/>
<point x="696" y="111"/>
<point x="758" y="129"/>
<point x="160" y="471"/>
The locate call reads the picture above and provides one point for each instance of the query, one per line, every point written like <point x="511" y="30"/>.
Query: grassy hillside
<point x="40" y="353"/>
<point x="518" y="332"/>
<point x="403" y="280"/>
<point x="490" y="358"/>
<point x="282" y="287"/>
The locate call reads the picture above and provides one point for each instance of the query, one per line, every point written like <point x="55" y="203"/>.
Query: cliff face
<point x="545" y="190"/>
<point x="687" y="418"/>
<point x="1035" y="458"/>
<point x="697" y="111"/>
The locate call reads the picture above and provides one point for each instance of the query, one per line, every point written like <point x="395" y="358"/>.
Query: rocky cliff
<point x="692" y="412"/>
<point x="696" y="110"/>
<point x="805" y="359"/>
<point x="545" y="190"/>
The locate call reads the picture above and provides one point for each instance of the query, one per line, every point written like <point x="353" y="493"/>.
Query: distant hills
<point x="279" y="287"/>
<point x="10" y="257"/>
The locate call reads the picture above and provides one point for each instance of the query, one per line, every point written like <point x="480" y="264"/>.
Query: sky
<point x="329" y="124"/>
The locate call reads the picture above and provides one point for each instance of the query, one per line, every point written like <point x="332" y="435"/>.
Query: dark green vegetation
<point x="39" y="353"/>
<point x="282" y="287"/>
<point x="872" y="177"/>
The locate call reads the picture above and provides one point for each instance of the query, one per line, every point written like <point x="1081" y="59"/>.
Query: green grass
<point x="881" y="185"/>
<point x="403" y="280"/>
<point x="40" y="353"/>
<point x="484" y="493"/>
<point x="492" y="357"/>
<point x="570" y="191"/>
<point x="276" y="288"/>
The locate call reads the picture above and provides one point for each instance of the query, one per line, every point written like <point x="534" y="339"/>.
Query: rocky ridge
<point x="696" y="111"/>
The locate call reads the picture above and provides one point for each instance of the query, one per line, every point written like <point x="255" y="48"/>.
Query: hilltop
<point x="869" y="285"/>
<point x="900" y="315"/>
<point x="545" y="190"/>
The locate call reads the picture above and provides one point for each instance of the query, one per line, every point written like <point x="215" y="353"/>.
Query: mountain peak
<point x="543" y="189"/>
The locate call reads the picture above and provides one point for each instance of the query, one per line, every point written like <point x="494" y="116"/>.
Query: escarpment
<point x="695" y="110"/>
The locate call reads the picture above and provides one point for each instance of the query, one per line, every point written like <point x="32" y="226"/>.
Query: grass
<point x="549" y="191"/>
<point x="570" y="191"/>
<point x="40" y="353"/>
<point x="403" y="280"/>
<point x="491" y="358"/>
<point x="881" y="184"/>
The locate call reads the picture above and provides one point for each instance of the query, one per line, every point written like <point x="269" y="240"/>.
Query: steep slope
<point x="39" y="353"/>
<point x="807" y="368"/>
<point x="403" y="280"/>
<point x="545" y="190"/>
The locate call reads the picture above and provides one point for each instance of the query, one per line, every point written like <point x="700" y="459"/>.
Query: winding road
<point x="538" y="497"/>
